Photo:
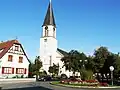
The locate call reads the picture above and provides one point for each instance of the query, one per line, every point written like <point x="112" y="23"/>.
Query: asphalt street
<point x="39" y="86"/>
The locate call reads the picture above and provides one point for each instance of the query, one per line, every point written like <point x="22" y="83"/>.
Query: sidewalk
<point x="15" y="80"/>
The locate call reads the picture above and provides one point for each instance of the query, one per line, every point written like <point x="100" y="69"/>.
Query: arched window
<point x="46" y="31"/>
<point x="53" y="32"/>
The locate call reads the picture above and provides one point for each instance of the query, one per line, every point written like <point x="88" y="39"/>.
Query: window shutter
<point x="12" y="70"/>
<point x="2" y="70"/>
<point x="25" y="71"/>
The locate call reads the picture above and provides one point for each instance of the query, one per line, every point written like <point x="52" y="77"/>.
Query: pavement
<point x="40" y="86"/>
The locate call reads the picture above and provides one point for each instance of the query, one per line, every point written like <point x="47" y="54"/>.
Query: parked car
<point x="45" y="78"/>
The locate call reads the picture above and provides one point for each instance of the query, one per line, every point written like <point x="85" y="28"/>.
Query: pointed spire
<point x="49" y="18"/>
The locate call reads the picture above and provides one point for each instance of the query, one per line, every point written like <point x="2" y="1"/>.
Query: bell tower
<point x="48" y="42"/>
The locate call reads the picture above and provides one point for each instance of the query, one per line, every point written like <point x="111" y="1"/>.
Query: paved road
<point x="39" y="86"/>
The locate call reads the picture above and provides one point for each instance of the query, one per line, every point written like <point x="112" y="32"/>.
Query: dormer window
<point x="16" y="48"/>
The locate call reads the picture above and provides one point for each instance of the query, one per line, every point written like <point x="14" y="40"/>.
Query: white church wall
<point x="51" y="31"/>
<point x="49" y="47"/>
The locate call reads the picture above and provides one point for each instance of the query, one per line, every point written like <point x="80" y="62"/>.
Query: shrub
<point x="80" y="82"/>
<point x="14" y="77"/>
<point x="103" y="84"/>
<point x="87" y="75"/>
<point x="22" y="76"/>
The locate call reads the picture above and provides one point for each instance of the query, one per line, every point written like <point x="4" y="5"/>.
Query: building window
<point x="20" y="50"/>
<point x="7" y="70"/>
<point x="10" y="58"/>
<point x="45" y="40"/>
<point x="46" y="32"/>
<point x="19" y="70"/>
<point x="20" y="59"/>
<point x="16" y="48"/>
<point x="53" y="32"/>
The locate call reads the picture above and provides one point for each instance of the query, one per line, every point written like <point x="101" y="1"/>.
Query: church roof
<point x="5" y="46"/>
<point x="62" y="52"/>
<point x="49" y="18"/>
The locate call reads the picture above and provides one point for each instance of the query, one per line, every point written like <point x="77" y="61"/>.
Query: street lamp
<point x="111" y="69"/>
<point x="83" y="63"/>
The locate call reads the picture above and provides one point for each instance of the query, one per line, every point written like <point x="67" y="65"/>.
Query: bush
<point x="22" y="76"/>
<point x="103" y="84"/>
<point x="80" y="83"/>
<point x="87" y="75"/>
<point x="14" y="77"/>
<point x="64" y="76"/>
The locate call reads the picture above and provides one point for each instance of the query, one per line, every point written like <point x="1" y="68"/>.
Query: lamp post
<point x="83" y="63"/>
<point x="111" y="69"/>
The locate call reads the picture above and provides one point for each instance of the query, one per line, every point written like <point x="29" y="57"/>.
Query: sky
<point x="83" y="25"/>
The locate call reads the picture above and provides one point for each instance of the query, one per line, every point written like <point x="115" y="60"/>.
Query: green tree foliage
<point x="87" y="75"/>
<point x="100" y="55"/>
<point x="35" y="67"/>
<point x="72" y="61"/>
<point x="90" y="63"/>
<point x="38" y="65"/>
<point x="99" y="62"/>
<point x="117" y="65"/>
<point x="82" y="62"/>
<point x="54" y="69"/>
<point x="32" y="69"/>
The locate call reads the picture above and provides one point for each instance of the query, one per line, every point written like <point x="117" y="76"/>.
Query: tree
<point x="90" y="63"/>
<point x="54" y="69"/>
<point x="82" y="64"/>
<point x="38" y="65"/>
<point x="100" y="55"/>
<point x="72" y="60"/>
<point x="32" y="69"/>
<point x="51" y="69"/>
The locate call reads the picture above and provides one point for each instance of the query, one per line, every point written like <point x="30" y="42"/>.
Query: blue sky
<point x="81" y="24"/>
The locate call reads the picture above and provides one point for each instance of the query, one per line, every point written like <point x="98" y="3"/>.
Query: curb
<point x="14" y="82"/>
<point x="82" y="87"/>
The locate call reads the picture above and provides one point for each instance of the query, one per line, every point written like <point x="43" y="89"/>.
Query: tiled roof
<point x="5" y="46"/>
<point x="62" y="52"/>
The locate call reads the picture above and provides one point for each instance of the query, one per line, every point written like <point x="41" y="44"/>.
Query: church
<point x="49" y="51"/>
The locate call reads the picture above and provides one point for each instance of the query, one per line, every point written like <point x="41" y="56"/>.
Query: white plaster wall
<point x="15" y="64"/>
<point x="48" y="48"/>
<point x="50" y="31"/>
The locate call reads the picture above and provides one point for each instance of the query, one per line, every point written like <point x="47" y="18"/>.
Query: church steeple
<point x="49" y="18"/>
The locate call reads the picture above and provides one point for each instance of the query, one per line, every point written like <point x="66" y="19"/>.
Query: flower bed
<point x="93" y="83"/>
